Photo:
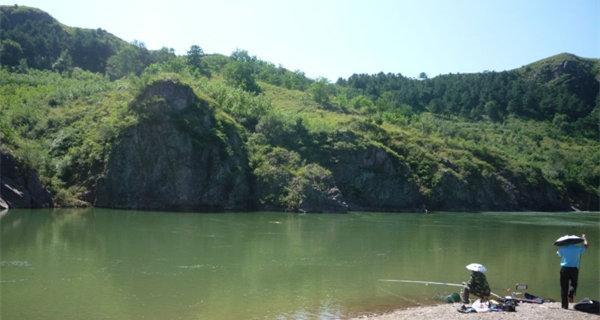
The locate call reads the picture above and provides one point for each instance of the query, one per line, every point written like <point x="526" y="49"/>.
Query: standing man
<point x="570" y="256"/>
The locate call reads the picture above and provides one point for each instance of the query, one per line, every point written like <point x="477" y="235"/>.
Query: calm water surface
<point x="111" y="264"/>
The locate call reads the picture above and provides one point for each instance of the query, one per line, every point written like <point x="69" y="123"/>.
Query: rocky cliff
<point x="178" y="156"/>
<point x="369" y="175"/>
<point x="489" y="191"/>
<point x="20" y="186"/>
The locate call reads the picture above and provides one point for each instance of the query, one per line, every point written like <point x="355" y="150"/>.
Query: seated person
<point x="477" y="285"/>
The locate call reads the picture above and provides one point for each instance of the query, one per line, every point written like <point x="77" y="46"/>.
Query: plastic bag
<point x="481" y="306"/>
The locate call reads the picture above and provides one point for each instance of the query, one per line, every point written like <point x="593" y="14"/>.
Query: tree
<point x="144" y="53"/>
<point x="127" y="61"/>
<point x="492" y="109"/>
<point x="321" y="90"/>
<point x="560" y="121"/>
<point x="295" y="80"/>
<point x="195" y="59"/>
<point x="514" y="107"/>
<point x="240" y="74"/>
<point x="10" y="53"/>
<point x="435" y="106"/>
<point x="164" y="54"/>
<point x="194" y="56"/>
<point x="361" y="103"/>
<point x="242" y="55"/>
<point x="23" y="65"/>
<point x="423" y="76"/>
<point x="389" y="100"/>
<point x="63" y="63"/>
<point x="91" y="49"/>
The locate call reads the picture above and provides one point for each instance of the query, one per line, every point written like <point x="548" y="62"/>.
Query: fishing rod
<point x="425" y="282"/>
<point x="435" y="283"/>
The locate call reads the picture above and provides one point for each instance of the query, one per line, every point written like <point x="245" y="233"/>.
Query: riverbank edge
<point x="270" y="210"/>
<point x="546" y="311"/>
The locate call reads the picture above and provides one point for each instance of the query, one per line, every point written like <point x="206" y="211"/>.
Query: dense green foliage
<point x="41" y="40"/>
<point x="65" y="98"/>
<point x="563" y="86"/>
<point x="62" y="125"/>
<point x="195" y="58"/>
<point x="240" y="74"/>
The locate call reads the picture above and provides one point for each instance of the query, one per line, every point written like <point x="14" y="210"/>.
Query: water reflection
<point x="131" y="264"/>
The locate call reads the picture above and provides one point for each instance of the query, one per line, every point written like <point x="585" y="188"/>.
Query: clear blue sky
<point x="337" y="38"/>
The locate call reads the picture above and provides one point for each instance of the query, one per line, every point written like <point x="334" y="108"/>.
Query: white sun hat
<point x="476" y="267"/>
<point x="565" y="240"/>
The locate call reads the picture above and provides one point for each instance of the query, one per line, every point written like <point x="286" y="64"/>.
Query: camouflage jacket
<point x="478" y="284"/>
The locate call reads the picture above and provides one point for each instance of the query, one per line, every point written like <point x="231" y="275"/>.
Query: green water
<point x="110" y="264"/>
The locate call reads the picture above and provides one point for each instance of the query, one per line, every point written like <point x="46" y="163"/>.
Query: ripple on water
<point x="15" y="264"/>
<point x="13" y="280"/>
<point x="199" y="266"/>
<point x="554" y="223"/>
<point x="195" y="266"/>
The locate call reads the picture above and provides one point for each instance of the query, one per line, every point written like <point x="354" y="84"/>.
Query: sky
<point x="337" y="38"/>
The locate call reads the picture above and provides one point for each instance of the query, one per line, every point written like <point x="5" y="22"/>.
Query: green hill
<point x="135" y="128"/>
<point x="563" y="85"/>
<point x="32" y="37"/>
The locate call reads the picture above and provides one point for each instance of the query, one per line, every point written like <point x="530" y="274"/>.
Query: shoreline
<point x="383" y="211"/>
<point x="545" y="311"/>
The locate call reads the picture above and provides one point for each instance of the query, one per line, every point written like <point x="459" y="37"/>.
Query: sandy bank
<point x="546" y="311"/>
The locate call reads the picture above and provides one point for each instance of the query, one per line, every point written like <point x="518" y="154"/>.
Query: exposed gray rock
<point x="20" y="186"/>
<point x="3" y="204"/>
<point x="492" y="191"/>
<point x="370" y="176"/>
<point x="177" y="157"/>
<point x="318" y="191"/>
<point x="330" y="200"/>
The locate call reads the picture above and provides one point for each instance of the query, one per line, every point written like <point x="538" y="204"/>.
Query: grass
<point x="64" y="126"/>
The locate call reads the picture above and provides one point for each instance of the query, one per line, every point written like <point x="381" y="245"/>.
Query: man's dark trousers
<point x="568" y="284"/>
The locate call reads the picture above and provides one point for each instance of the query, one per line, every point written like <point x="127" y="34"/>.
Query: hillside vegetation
<point x="113" y="124"/>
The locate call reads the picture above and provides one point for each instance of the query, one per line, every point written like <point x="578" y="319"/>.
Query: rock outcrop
<point x="318" y="191"/>
<point x="493" y="192"/>
<point x="178" y="156"/>
<point x="369" y="175"/>
<point x="20" y="186"/>
<point x="284" y="182"/>
<point x="329" y="200"/>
